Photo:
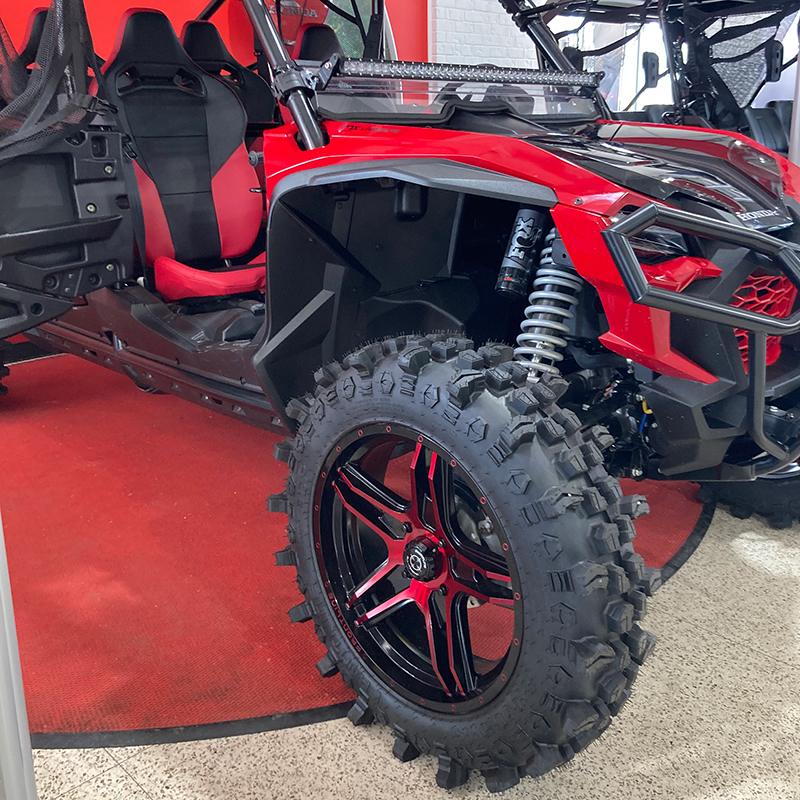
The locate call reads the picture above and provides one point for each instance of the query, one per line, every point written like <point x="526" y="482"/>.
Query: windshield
<point x="616" y="49"/>
<point x="431" y="101"/>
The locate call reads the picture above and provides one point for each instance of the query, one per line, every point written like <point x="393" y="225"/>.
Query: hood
<point x="708" y="173"/>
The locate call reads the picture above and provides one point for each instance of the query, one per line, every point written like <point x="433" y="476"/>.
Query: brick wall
<point x="475" y="32"/>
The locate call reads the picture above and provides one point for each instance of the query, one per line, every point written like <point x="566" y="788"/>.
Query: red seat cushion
<point x="176" y="281"/>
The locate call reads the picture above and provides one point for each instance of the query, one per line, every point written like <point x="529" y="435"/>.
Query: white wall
<point x="475" y="32"/>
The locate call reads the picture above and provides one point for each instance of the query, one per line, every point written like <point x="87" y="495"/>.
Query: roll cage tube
<point x="531" y="22"/>
<point x="289" y="81"/>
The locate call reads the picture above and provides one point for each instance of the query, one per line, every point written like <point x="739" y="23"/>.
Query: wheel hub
<point x="422" y="560"/>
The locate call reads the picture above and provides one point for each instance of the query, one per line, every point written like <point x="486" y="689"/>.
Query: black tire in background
<point x="775" y="498"/>
<point x="579" y="587"/>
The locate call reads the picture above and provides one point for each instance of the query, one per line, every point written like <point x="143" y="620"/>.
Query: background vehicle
<point x="727" y="64"/>
<point x="460" y="537"/>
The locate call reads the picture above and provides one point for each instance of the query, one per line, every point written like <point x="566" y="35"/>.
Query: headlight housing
<point x="658" y="244"/>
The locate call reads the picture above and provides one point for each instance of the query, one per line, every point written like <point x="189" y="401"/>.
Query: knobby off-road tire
<point x="775" y="499"/>
<point x="580" y="588"/>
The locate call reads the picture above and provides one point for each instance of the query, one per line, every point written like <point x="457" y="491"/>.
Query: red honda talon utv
<point x="352" y="263"/>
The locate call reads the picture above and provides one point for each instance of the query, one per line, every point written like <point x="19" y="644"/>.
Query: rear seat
<point x="766" y="128"/>
<point x="33" y="37"/>
<point x="316" y="42"/>
<point x="783" y="108"/>
<point x="205" y="47"/>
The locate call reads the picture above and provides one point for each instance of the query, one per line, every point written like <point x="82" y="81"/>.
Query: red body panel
<point x="586" y="203"/>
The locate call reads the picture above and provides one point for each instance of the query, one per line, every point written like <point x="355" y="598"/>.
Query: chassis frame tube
<point x="296" y="98"/>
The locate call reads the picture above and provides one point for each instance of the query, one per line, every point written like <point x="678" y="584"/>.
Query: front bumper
<point x="781" y="255"/>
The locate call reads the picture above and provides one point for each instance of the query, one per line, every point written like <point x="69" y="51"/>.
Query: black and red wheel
<point x="465" y="557"/>
<point x="417" y="567"/>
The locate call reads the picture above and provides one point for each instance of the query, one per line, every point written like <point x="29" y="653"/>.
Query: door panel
<point x="65" y="227"/>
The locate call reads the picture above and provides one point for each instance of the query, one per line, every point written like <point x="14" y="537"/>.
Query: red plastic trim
<point x="176" y="281"/>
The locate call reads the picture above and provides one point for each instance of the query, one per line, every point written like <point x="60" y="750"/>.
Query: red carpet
<point x="142" y="558"/>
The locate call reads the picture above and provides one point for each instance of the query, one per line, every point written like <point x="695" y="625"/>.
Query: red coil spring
<point x="773" y="295"/>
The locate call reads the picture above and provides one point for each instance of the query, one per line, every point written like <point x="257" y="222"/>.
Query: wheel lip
<point x="452" y="709"/>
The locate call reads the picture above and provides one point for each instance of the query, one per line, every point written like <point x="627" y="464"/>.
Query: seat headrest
<point x="575" y="57"/>
<point x="655" y="113"/>
<point x="147" y="37"/>
<point x="317" y="43"/>
<point x="33" y="36"/>
<point x="203" y="43"/>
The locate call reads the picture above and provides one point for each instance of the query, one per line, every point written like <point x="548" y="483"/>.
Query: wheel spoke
<point x="484" y="583"/>
<point x="486" y="592"/>
<point x="440" y="490"/>
<point x="369" y="583"/>
<point x="497" y="600"/>
<point x="437" y="642"/>
<point x="349" y="488"/>
<point x="418" y="482"/>
<point x="459" y="645"/>
<point x="374" y="492"/>
<point x="449" y="644"/>
<point x="488" y="573"/>
<point x="375" y="525"/>
<point x="388" y="607"/>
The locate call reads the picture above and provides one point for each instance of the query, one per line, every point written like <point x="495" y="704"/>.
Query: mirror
<point x="773" y="52"/>
<point x="652" y="70"/>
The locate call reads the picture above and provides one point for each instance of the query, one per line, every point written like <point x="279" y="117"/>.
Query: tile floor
<point x="716" y="713"/>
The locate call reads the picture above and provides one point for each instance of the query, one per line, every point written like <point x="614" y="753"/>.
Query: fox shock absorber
<point x="524" y="244"/>
<point x="550" y="310"/>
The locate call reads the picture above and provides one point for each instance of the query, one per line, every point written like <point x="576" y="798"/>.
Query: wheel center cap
<point x="422" y="560"/>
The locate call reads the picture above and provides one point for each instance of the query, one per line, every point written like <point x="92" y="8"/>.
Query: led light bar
<point x="418" y="70"/>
